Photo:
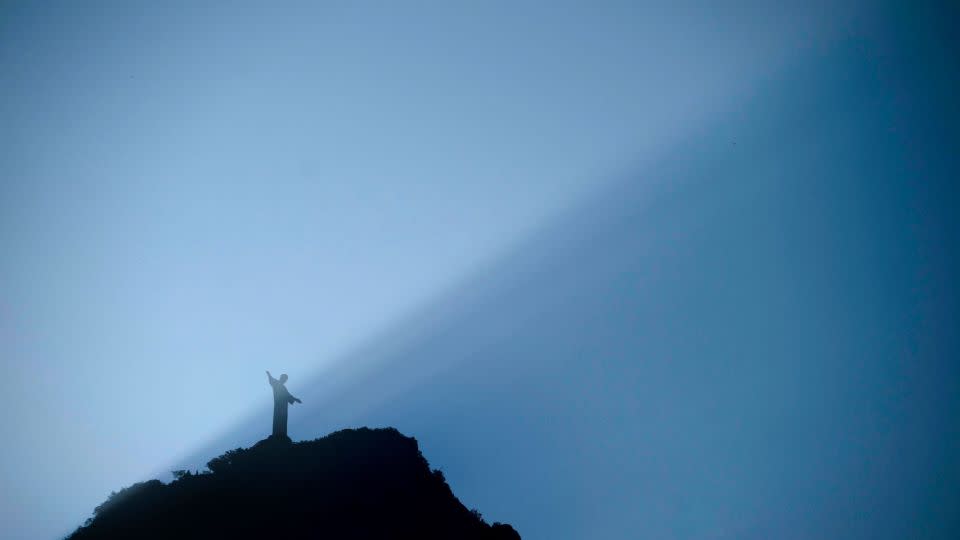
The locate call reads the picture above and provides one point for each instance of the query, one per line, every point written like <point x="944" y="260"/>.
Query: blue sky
<point x="194" y="193"/>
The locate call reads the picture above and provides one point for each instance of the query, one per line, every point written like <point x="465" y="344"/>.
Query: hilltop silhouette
<point x="355" y="483"/>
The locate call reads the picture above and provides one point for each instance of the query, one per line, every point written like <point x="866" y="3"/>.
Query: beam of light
<point x="192" y="195"/>
<point x="755" y="348"/>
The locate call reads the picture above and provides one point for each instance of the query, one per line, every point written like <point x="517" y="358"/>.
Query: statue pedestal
<point x="278" y="439"/>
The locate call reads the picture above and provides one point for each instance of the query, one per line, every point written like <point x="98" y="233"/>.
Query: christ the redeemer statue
<point x="281" y="398"/>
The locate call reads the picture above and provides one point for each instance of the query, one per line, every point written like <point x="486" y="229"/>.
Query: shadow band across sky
<point x="749" y="339"/>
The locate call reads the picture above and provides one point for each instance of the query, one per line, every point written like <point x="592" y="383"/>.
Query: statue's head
<point x="283" y="378"/>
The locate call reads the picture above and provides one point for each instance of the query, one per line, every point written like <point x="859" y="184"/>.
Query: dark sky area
<point x="623" y="271"/>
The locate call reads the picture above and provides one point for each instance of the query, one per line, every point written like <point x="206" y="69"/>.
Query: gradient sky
<point x="511" y="231"/>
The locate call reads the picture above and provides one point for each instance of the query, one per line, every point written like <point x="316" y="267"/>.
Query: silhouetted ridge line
<point x="355" y="483"/>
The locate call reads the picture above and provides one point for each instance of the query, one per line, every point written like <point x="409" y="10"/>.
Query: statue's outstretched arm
<point x="293" y="399"/>
<point x="270" y="377"/>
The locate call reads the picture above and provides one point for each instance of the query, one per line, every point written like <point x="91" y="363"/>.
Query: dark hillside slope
<point x="362" y="483"/>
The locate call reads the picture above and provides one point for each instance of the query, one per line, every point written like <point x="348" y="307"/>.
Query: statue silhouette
<point x="281" y="398"/>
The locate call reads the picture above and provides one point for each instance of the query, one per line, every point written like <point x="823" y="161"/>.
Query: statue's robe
<point x="281" y="400"/>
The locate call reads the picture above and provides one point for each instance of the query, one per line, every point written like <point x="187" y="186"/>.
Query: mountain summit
<point x="355" y="483"/>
